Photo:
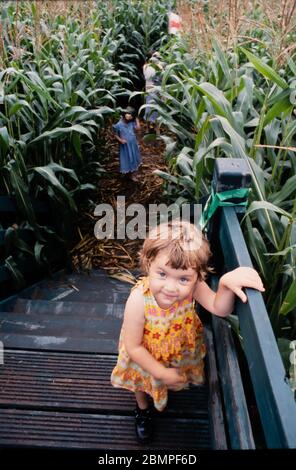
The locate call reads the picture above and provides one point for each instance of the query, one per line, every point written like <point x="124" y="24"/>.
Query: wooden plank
<point x="59" y="332"/>
<point x="56" y="332"/>
<point x="97" y="281"/>
<point x="55" y="430"/>
<point x="274" y="397"/>
<point x="63" y="381"/>
<point x="60" y="343"/>
<point x="86" y="282"/>
<point x="39" y="388"/>
<point x="100" y="276"/>
<point x="239" y="426"/>
<point x="59" y="325"/>
<point x="101" y="294"/>
<point x="79" y="309"/>
<point x="70" y="294"/>
<point x="215" y="404"/>
<point x="92" y="279"/>
<point x="5" y="303"/>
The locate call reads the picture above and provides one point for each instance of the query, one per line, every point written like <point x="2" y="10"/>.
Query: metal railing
<point x="274" y="397"/>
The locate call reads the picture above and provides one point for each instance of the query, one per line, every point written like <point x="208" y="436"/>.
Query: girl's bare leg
<point x="142" y="400"/>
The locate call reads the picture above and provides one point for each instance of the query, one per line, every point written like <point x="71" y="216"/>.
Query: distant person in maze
<point x="152" y="71"/>
<point x="129" y="152"/>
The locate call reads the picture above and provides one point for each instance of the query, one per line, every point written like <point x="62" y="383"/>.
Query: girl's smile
<point x="169" y="285"/>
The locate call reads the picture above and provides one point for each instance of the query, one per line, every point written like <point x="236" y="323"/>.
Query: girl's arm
<point x="120" y="140"/>
<point x="133" y="328"/>
<point x="221" y="302"/>
<point x="137" y="124"/>
<point x="116" y="129"/>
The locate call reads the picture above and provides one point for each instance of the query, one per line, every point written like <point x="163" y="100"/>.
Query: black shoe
<point x="144" y="425"/>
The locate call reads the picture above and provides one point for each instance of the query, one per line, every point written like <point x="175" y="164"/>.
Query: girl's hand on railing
<point x="242" y="277"/>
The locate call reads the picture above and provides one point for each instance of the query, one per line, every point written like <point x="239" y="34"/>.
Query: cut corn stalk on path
<point x="120" y="256"/>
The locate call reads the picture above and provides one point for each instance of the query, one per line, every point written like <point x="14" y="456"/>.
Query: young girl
<point x="161" y="344"/>
<point x="129" y="152"/>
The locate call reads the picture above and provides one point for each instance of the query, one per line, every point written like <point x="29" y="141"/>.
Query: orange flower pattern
<point x="173" y="337"/>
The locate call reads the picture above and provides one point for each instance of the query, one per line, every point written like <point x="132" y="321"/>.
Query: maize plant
<point x="64" y="71"/>
<point x="238" y="103"/>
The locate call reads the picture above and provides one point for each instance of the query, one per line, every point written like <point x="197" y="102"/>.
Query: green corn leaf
<point x="238" y="143"/>
<point x="292" y="66"/>
<point x="265" y="69"/>
<point x="47" y="173"/>
<point x="76" y="141"/>
<point x="258" y="205"/>
<point x="12" y="238"/>
<point x="284" y="252"/>
<point x="62" y="132"/>
<point x="166" y="176"/>
<point x="16" y="274"/>
<point x="201" y="133"/>
<point x="289" y="302"/>
<point x="55" y="167"/>
<point x="222" y="60"/>
<point x="287" y="190"/>
<point x="4" y="140"/>
<point x="281" y="106"/>
<point x="216" y="97"/>
<point x="257" y="248"/>
<point x="20" y="191"/>
<point x="83" y="96"/>
<point x="38" y="248"/>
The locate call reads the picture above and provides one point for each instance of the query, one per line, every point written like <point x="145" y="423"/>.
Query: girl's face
<point x="128" y="117"/>
<point x="169" y="285"/>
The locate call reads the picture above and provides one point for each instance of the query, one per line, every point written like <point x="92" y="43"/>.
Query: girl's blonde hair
<point x="184" y="243"/>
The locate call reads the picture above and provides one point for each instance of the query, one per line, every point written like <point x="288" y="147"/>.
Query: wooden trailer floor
<point x="60" y="345"/>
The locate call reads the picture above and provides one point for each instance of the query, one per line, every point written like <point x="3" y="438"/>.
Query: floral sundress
<point x="174" y="337"/>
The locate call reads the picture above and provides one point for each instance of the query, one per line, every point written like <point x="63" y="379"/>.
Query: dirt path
<point x="113" y="254"/>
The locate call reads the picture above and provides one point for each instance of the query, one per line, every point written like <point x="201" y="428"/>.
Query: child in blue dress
<point x="129" y="153"/>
